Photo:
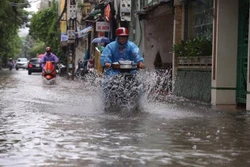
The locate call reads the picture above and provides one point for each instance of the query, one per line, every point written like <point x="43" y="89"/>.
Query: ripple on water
<point x="74" y="131"/>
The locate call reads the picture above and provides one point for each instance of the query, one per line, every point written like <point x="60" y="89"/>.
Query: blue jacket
<point x="114" y="52"/>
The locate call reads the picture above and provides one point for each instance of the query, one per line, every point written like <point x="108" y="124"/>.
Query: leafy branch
<point x="193" y="48"/>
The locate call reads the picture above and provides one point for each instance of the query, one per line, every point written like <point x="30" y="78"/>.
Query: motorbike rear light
<point x="48" y="77"/>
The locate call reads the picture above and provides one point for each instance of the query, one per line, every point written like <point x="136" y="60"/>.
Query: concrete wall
<point x="194" y="84"/>
<point x="43" y="4"/>
<point x="81" y="47"/>
<point x="158" y="35"/>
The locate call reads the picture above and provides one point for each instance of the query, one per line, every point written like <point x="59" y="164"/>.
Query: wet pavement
<point x="65" y="125"/>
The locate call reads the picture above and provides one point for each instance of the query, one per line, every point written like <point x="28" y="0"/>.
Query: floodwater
<point x="65" y="125"/>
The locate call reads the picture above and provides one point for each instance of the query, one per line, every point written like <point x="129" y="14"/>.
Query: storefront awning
<point x="84" y="32"/>
<point x="96" y="12"/>
<point x="80" y="34"/>
<point x="99" y="6"/>
<point x="64" y="38"/>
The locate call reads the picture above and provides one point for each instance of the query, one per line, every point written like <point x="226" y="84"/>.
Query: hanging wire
<point x="24" y="3"/>
<point x="18" y="4"/>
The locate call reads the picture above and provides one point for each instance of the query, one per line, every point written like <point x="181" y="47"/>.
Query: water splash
<point x="157" y="84"/>
<point x="122" y="92"/>
<point x="129" y="94"/>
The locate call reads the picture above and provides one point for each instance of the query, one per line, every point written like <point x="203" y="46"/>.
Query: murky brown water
<point x="65" y="125"/>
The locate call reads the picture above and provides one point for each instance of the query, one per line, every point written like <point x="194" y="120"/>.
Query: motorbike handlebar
<point x="115" y="66"/>
<point x="124" y="65"/>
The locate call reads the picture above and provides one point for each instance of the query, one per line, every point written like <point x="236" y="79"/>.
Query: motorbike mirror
<point x="115" y="63"/>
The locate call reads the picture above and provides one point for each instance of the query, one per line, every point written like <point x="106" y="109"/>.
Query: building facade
<point x="156" y="25"/>
<point x="230" y="52"/>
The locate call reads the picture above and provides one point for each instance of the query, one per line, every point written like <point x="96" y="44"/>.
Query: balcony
<point x="147" y="3"/>
<point x="195" y="62"/>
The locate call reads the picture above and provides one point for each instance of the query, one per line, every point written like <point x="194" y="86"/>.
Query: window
<point x="199" y="19"/>
<point x="22" y="60"/>
<point x="35" y="60"/>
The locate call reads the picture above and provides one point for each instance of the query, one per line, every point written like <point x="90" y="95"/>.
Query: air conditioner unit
<point x="125" y="10"/>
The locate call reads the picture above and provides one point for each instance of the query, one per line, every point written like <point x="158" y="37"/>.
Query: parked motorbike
<point x="81" y="70"/>
<point x="122" y="91"/>
<point x="86" y="73"/>
<point x="61" y="69"/>
<point x="49" y="72"/>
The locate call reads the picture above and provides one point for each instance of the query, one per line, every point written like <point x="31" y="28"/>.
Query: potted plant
<point x="193" y="51"/>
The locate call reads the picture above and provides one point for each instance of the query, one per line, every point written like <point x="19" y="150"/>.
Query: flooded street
<point x="65" y="125"/>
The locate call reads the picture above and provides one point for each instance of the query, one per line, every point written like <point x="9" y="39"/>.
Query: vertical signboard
<point x="63" y="25"/>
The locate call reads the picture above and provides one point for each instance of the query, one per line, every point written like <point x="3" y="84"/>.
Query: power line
<point x="21" y="4"/>
<point x="33" y="1"/>
<point x="18" y="4"/>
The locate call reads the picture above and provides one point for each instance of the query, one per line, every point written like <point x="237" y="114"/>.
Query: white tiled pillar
<point x="225" y="43"/>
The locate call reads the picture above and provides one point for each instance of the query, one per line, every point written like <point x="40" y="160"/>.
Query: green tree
<point x="12" y="16"/>
<point x="44" y="28"/>
<point x="38" y="48"/>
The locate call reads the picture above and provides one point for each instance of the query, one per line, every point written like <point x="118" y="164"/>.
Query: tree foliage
<point x="44" y="28"/>
<point x="12" y="17"/>
<point x="37" y="48"/>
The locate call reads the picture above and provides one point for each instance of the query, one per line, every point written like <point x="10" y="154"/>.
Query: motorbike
<point x="81" y="70"/>
<point x="86" y="73"/>
<point x="61" y="69"/>
<point x="122" y="92"/>
<point x="49" y="72"/>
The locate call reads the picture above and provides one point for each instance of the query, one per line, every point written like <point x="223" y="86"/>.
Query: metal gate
<point x="242" y="51"/>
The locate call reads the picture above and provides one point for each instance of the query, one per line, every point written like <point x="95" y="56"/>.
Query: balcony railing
<point x="146" y="3"/>
<point x="198" y="61"/>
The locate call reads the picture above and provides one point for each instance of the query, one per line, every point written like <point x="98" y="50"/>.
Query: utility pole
<point x="71" y="30"/>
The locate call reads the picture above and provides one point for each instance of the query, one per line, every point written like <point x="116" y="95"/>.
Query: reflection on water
<point x="64" y="125"/>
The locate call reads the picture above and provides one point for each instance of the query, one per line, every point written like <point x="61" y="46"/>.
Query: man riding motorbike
<point x="120" y="49"/>
<point x="117" y="51"/>
<point x="48" y="56"/>
<point x="10" y="63"/>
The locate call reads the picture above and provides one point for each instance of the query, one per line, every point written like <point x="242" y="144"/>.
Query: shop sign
<point x="102" y="26"/>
